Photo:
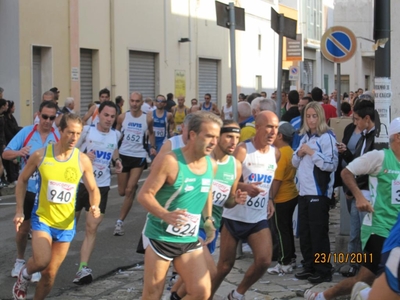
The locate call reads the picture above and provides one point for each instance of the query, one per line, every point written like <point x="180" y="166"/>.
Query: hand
<point x="253" y="190"/>
<point x="18" y="219"/>
<point x="306" y="149"/>
<point x="363" y="204"/>
<point x="24" y="151"/>
<point x="210" y="231"/>
<point x="153" y="152"/>
<point x="341" y="147"/>
<point x="92" y="155"/>
<point x="118" y="167"/>
<point x="240" y="197"/>
<point x="95" y="210"/>
<point x="271" y="209"/>
<point x="301" y="152"/>
<point x="176" y="218"/>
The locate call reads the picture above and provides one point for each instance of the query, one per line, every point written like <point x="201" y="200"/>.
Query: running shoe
<point x="119" y="229"/>
<point x="36" y="277"/>
<point x="17" y="268"/>
<point x="280" y="269"/>
<point x="310" y="295"/>
<point x="20" y="288"/>
<point x="230" y="297"/>
<point x="84" y="276"/>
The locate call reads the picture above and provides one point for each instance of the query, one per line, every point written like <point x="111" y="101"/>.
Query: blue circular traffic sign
<point x="338" y="44"/>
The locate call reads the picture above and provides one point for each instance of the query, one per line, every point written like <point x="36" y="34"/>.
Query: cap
<point x="54" y="90"/>
<point x="367" y="95"/>
<point x="287" y="129"/>
<point x="394" y="127"/>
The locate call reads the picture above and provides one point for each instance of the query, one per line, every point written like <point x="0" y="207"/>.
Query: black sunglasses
<point x="45" y="117"/>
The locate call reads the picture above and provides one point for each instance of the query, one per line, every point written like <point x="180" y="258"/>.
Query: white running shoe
<point x="275" y="270"/>
<point x="310" y="295"/>
<point x="119" y="229"/>
<point x="360" y="291"/>
<point x="246" y="248"/>
<point x="36" y="277"/>
<point x="20" y="288"/>
<point x="84" y="276"/>
<point x="17" y="268"/>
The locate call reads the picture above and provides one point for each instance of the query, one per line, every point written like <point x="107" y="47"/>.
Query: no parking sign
<point x="338" y="44"/>
<point x="294" y="73"/>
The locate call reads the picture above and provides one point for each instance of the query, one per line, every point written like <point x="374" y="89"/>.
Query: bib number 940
<point x="60" y="192"/>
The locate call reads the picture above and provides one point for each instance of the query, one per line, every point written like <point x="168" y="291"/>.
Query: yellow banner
<point x="180" y="83"/>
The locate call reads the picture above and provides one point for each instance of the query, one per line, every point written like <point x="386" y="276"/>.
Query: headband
<point x="229" y="129"/>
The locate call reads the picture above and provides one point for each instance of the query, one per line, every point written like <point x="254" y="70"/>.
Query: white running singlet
<point x="103" y="144"/>
<point x="134" y="131"/>
<point x="257" y="167"/>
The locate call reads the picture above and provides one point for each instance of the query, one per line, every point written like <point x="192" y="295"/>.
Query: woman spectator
<point x="11" y="129"/>
<point x="316" y="159"/>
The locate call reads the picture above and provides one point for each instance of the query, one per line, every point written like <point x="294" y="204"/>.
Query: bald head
<point x="265" y="117"/>
<point x="137" y="94"/>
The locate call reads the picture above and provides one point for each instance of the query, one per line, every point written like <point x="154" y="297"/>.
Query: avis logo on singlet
<point x="103" y="154"/>
<point x="134" y="125"/>
<point x="254" y="177"/>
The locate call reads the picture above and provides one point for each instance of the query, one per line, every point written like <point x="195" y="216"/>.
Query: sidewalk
<point x="127" y="284"/>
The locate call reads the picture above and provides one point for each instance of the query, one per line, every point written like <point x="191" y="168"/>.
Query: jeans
<point x="356" y="218"/>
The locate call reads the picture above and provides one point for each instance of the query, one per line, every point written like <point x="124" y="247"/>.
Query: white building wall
<point x="395" y="58"/>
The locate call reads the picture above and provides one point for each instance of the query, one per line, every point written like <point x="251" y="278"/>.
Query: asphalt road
<point x="111" y="252"/>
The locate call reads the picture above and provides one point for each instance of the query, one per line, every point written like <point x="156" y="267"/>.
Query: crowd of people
<point x="211" y="177"/>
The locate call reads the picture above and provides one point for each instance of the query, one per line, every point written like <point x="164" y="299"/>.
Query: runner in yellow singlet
<point x="179" y="113"/>
<point x="60" y="167"/>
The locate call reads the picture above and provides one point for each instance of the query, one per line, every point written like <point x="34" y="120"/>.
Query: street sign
<point x="222" y="10"/>
<point x="288" y="28"/>
<point x="338" y="44"/>
<point x="294" y="73"/>
<point x="294" y="48"/>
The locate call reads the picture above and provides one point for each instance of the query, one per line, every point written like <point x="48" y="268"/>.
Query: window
<point x="259" y="42"/>
<point x="314" y="19"/>
<point x="258" y="86"/>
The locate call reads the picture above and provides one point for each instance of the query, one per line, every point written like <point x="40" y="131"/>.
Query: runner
<point x="179" y="113"/>
<point x="53" y="220"/>
<point x="92" y="116"/>
<point x="100" y="143"/>
<point x="25" y="143"/>
<point x="224" y="190"/>
<point x="177" y="192"/>
<point x="133" y="126"/>
<point x="249" y="222"/>
<point x="162" y="123"/>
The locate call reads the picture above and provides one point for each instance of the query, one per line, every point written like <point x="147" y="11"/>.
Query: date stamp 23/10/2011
<point x="343" y="258"/>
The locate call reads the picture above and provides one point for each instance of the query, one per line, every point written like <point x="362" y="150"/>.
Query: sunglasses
<point x="161" y="101"/>
<point x="45" y="117"/>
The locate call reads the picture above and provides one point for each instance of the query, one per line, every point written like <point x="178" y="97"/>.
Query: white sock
<point x="119" y="221"/>
<point x="20" y="260"/>
<point x="365" y="293"/>
<point x="25" y="274"/>
<point x="320" y="296"/>
<point x="237" y="295"/>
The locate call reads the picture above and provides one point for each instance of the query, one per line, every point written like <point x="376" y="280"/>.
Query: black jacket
<point x="293" y="112"/>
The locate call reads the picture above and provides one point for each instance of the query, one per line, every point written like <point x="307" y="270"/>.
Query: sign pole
<point x="280" y="48"/>
<point x="233" y="60"/>
<point x="338" y="84"/>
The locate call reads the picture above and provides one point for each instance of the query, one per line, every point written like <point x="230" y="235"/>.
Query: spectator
<point x="297" y="122"/>
<point x="68" y="106"/>
<point x="147" y="105"/>
<point x="253" y="96"/>
<point x="330" y="111"/>
<point x="316" y="160"/>
<point x="170" y="102"/>
<point x="263" y="94"/>
<point x="293" y="110"/>
<point x="3" y="109"/>
<point x="242" y="97"/>
<point x="11" y="129"/>
<point x="345" y="107"/>
<point x="1" y="92"/>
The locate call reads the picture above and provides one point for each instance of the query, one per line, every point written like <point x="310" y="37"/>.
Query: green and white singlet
<point x="189" y="191"/>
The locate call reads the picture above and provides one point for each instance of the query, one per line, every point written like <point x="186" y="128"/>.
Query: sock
<point x="20" y="260"/>
<point x="320" y="296"/>
<point x="174" y="296"/>
<point x="82" y="265"/>
<point x="237" y="295"/>
<point x="365" y="293"/>
<point x="26" y="275"/>
<point x="119" y="221"/>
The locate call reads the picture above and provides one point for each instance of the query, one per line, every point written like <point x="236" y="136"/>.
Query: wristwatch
<point x="211" y="218"/>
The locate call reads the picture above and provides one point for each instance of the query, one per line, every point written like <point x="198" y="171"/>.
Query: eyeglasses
<point x="45" y="117"/>
<point x="161" y="101"/>
<point x="206" y="98"/>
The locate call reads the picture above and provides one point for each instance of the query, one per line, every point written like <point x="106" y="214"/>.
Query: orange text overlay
<point x="343" y="258"/>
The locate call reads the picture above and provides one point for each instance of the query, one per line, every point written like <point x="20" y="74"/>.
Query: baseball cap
<point x="54" y="90"/>
<point x="287" y="129"/>
<point x="394" y="127"/>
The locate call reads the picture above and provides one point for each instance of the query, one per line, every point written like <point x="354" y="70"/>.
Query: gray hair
<point x="48" y="93"/>
<point x="267" y="104"/>
<point x="1" y="90"/>
<point x="200" y="117"/>
<point x="148" y="100"/>
<point x="69" y="101"/>
<point x="244" y="109"/>
<point x="255" y="104"/>
<point x="187" y="119"/>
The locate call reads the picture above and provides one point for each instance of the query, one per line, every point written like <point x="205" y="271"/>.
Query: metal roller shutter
<point x="208" y="79"/>
<point x="36" y="78"/>
<point x="142" y="73"/>
<point x="86" y="74"/>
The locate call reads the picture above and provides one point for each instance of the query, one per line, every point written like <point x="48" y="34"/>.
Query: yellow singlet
<point x="58" y="186"/>
<point x="179" y="117"/>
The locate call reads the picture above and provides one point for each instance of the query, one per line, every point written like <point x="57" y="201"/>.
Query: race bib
<point x="190" y="228"/>
<point x="60" y="192"/>
<point x="260" y="201"/>
<point x="220" y="192"/>
<point x="395" y="191"/>
<point x="133" y="136"/>
<point x="159" y="131"/>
